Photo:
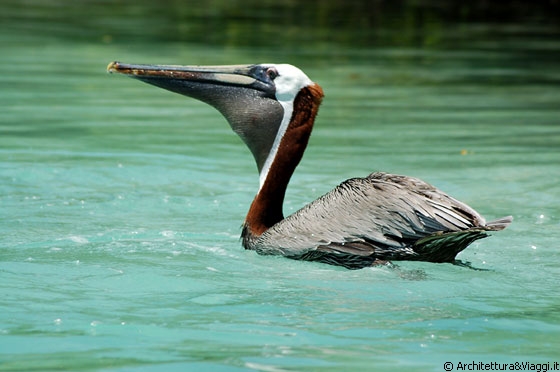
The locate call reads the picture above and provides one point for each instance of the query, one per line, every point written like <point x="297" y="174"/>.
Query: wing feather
<point x="379" y="215"/>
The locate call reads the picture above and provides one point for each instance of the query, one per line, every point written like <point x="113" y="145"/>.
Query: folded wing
<point x="382" y="216"/>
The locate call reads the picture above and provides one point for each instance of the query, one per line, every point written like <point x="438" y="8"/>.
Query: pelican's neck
<point x="287" y="118"/>
<point x="286" y="153"/>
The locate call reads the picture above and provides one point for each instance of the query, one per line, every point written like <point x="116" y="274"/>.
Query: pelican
<point x="361" y="222"/>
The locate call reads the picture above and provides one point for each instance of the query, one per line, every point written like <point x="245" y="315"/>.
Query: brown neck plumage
<point x="266" y="209"/>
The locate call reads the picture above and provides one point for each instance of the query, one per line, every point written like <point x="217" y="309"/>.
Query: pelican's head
<point x="257" y="100"/>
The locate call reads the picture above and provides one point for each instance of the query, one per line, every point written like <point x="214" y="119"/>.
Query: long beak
<point x="238" y="75"/>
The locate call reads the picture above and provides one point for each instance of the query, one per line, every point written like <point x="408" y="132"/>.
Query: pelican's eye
<point x="272" y="73"/>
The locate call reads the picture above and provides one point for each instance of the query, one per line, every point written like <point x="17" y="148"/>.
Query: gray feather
<point x="382" y="216"/>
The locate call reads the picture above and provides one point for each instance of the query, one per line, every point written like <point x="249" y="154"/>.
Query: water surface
<point x="121" y="204"/>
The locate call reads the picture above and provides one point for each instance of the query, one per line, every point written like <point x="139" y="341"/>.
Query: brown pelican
<point x="363" y="221"/>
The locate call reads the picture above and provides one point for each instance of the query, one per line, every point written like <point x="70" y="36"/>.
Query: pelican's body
<point x="360" y="222"/>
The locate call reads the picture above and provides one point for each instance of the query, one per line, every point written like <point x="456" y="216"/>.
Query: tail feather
<point x="443" y="247"/>
<point x="499" y="224"/>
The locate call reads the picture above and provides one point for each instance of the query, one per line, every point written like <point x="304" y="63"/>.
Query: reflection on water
<point x="121" y="203"/>
<point x="293" y="26"/>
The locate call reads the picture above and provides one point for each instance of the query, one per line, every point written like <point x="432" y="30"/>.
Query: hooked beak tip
<point x="113" y="67"/>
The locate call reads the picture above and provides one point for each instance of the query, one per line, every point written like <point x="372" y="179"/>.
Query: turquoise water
<point x="121" y="204"/>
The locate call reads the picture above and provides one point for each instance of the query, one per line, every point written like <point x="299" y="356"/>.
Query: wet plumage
<point x="379" y="217"/>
